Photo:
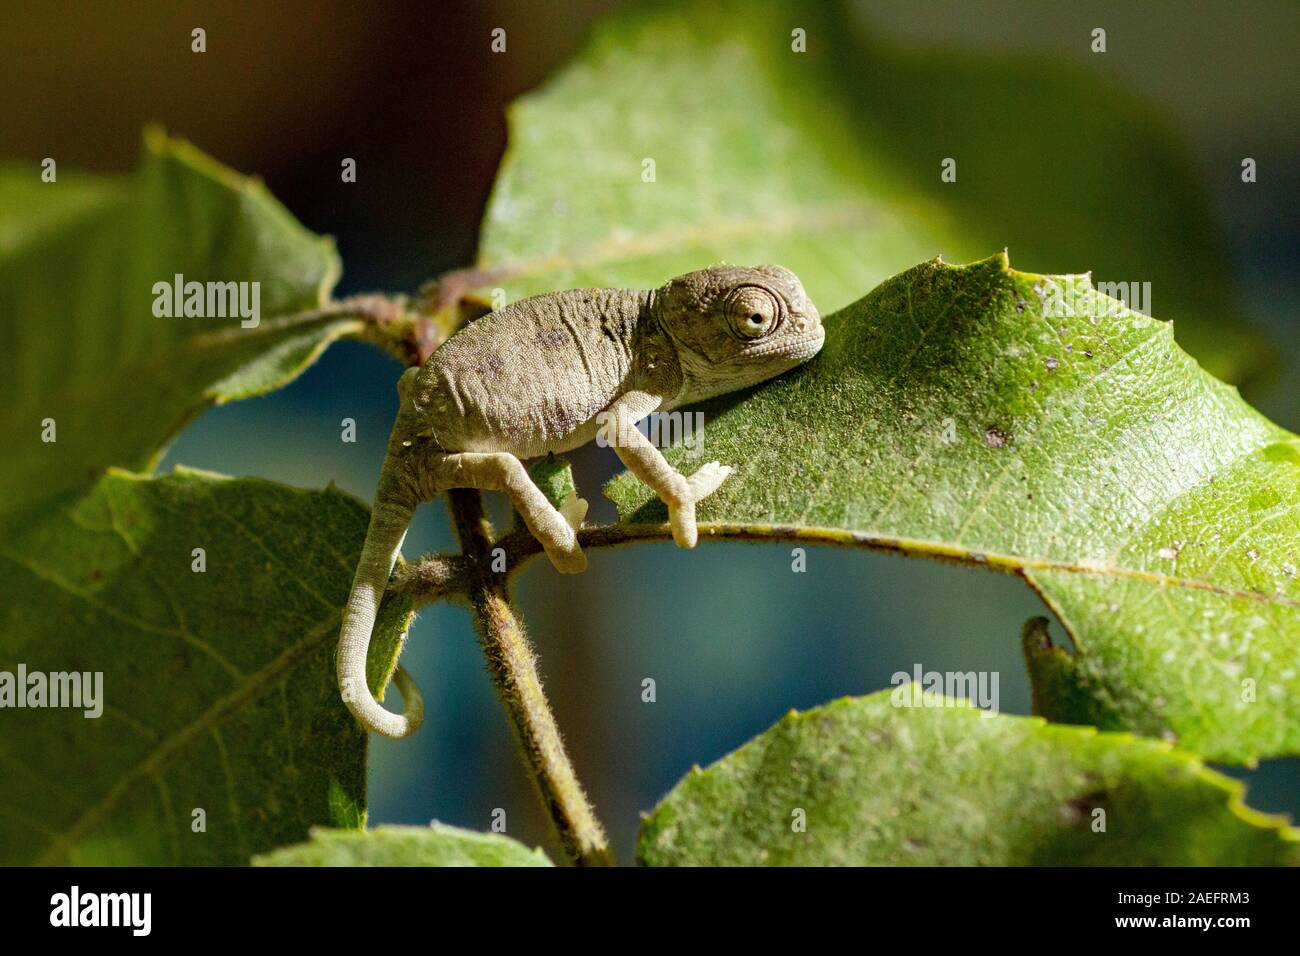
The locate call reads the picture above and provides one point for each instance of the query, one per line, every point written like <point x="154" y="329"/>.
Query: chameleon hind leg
<point x="501" y="471"/>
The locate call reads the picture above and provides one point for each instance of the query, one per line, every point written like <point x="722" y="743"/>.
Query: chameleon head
<point x="736" y="326"/>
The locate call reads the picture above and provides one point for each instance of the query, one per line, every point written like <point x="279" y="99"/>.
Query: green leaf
<point x="435" y="845"/>
<point x="554" y="476"/>
<point x="953" y="415"/>
<point x="218" y="687"/>
<point x="882" y="784"/>
<point x="828" y="162"/>
<point x="78" y="262"/>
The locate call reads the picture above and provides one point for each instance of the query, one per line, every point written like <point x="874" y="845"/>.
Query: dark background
<point x="413" y="94"/>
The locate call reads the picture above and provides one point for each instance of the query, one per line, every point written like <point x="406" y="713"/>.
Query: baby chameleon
<point x="545" y="375"/>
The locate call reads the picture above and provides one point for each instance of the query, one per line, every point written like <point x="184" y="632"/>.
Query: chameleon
<point x="545" y="375"/>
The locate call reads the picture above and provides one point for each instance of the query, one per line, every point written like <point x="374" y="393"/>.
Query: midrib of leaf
<point x="213" y="342"/>
<point x="252" y="687"/>
<point x="118" y="380"/>
<point x="1269" y="435"/>
<point x="1126" y="450"/>
<point x="850" y="123"/>
<point x="703" y="234"/>
<point x="127" y="536"/>
<point x="941" y="550"/>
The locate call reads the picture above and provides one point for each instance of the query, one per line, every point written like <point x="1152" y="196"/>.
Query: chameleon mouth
<point x="795" y="350"/>
<point x="810" y="343"/>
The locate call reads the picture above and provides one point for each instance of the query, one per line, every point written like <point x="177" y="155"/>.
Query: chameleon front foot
<point x="706" y="481"/>
<point x="681" y="515"/>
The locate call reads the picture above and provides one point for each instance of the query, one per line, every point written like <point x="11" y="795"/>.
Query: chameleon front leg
<point x="645" y="461"/>
<point x="500" y="471"/>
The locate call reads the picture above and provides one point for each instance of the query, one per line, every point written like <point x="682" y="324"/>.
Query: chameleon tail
<point x="388" y="524"/>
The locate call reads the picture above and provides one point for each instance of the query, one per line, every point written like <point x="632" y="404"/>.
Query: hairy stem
<point x="392" y="324"/>
<point x="434" y="577"/>
<point x="513" y="666"/>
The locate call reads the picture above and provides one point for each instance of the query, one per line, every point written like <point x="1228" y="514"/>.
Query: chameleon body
<point x="545" y="375"/>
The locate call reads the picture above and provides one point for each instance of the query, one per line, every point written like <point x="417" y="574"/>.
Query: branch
<point x="513" y="666"/>
<point x="395" y="325"/>
<point x="434" y="577"/>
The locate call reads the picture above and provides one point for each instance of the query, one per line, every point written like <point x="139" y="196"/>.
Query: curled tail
<point x="388" y="523"/>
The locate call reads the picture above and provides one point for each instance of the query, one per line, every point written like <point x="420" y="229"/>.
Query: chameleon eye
<point x="752" y="311"/>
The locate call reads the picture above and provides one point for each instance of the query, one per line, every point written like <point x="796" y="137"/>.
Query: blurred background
<point x="409" y="91"/>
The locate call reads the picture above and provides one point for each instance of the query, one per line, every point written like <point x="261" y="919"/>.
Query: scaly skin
<point x="546" y="375"/>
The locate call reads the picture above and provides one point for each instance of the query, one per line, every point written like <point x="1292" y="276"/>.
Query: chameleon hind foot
<point x="574" y="510"/>
<point x="500" y="471"/>
<point x="560" y="542"/>
<point x="567" y="556"/>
